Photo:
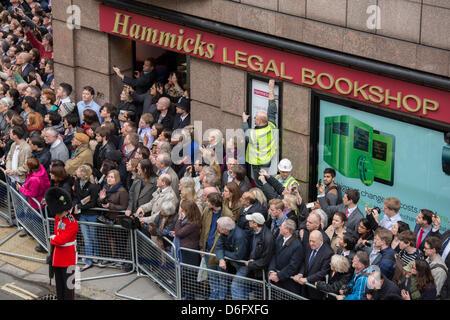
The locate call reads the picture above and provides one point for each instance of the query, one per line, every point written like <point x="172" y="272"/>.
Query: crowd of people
<point x="139" y="159"/>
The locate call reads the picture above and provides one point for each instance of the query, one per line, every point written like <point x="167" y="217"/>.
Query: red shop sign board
<point x="367" y="87"/>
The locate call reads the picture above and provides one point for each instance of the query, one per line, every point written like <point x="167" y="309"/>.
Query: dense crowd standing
<point x="120" y="158"/>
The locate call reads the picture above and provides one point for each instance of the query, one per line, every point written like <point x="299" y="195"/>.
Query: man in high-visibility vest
<point x="274" y="187"/>
<point x="263" y="139"/>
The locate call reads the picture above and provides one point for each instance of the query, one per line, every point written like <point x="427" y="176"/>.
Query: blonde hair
<point x="291" y="200"/>
<point x="84" y="172"/>
<point x="340" y="263"/>
<point x="188" y="193"/>
<point x="259" y="195"/>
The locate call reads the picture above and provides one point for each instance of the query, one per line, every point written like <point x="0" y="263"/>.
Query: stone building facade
<point x="414" y="35"/>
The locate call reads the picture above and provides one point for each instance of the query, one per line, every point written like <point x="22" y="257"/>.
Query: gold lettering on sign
<point x="308" y="77"/>
<point x="257" y="65"/>
<point x="124" y="24"/>
<point x="272" y="66"/>
<point x="225" y="56"/>
<point x="407" y="106"/>
<point x="388" y="98"/>
<point x="238" y="57"/>
<point x="283" y="73"/>
<point x="349" y="85"/>
<point x="427" y="102"/>
<point x="321" y="84"/>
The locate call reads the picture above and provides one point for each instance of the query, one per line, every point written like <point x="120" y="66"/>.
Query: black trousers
<point x="65" y="289"/>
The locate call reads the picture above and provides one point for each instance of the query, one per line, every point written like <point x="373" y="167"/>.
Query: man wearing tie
<point x="349" y="207"/>
<point x="424" y="227"/>
<point x="316" y="265"/>
<point x="287" y="258"/>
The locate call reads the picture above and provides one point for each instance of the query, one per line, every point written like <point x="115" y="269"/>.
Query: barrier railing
<point x="115" y="243"/>
<point x="277" y="293"/>
<point x="104" y="242"/>
<point x="327" y="294"/>
<point x="154" y="263"/>
<point x="27" y="218"/>
<point x="6" y="211"/>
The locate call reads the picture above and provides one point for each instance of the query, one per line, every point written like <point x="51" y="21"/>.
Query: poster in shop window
<point x="259" y="103"/>
<point x="383" y="157"/>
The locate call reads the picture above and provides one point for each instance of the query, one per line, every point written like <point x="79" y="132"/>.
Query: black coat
<point x="66" y="184"/>
<point x="143" y="83"/>
<point x="319" y="268"/>
<point x="335" y="282"/>
<point x="286" y="261"/>
<point x="167" y="121"/>
<point x="89" y="190"/>
<point x="387" y="290"/>
<point x="263" y="253"/>
<point x="100" y="153"/>
<point x="243" y="222"/>
<point x="180" y="124"/>
<point x="44" y="156"/>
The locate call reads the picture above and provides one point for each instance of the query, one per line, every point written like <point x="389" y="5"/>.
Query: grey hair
<point x="165" y="147"/>
<point x="168" y="208"/>
<point x="289" y="224"/>
<point x="7" y="102"/>
<point x="226" y="223"/>
<point x="323" y="218"/>
<point x="166" y="179"/>
<point x="340" y="263"/>
<point x="187" y="182"/>
<point x="211" y="180"/>
<point x="52" y="131"/>
<point x="209" y="170"/>
<point x="259" y="195"/>
<point x="164" y="158"/>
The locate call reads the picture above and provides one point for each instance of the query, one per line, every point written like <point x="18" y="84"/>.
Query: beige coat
<point x="24" y="153"/>
<point x="83" y="155"/>
<point x="159" y="197"/>
<point x="334" y="241"/>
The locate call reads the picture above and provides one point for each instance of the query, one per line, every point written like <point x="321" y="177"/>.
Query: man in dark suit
<point x="445" y="251"/>
<point x="316" y="265"/>
<point x="313" y="222"/>
<point x="143" y="81"/>
<point x="349" y="207"/>
<point x="287" y="258"/>
<point x="163" y="114"/>
<point x="23" y="61"/>
<point x="183" y="116"/>
<point x="427" y="226"/>
<point x="249" y="205"/>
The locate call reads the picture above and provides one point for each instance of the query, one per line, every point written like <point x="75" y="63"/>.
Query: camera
<point x="293" y="189"/>
<point x="375" y="208"/>
<point x="346" y="289"/>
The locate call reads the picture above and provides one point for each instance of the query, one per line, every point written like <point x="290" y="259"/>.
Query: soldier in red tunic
<point x="64" y="249"/>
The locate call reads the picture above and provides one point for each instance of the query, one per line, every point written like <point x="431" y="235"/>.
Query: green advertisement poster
<point x="382" y="157"/>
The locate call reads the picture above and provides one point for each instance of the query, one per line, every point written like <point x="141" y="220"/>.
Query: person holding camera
<point x="356" y="288"/>
<point x="391" y="207"/>
<point x="349" y="207"/>
<point x="273" y="187"/>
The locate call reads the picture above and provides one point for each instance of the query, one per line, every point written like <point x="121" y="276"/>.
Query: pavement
<point x="34" y="275"/>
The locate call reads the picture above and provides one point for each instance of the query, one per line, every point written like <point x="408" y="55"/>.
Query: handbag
<point x="105" y="220"/>
<point x="130" y="223"/>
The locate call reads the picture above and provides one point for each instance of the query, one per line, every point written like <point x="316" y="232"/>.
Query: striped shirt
<point x="408" y="257"/>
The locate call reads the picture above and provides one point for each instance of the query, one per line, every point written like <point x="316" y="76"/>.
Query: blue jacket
<point x="358" y="284"/>
<point x="234" y="246"/>
<point x="387" y="262"/>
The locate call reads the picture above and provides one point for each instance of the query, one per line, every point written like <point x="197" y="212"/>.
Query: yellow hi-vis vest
<point x="261" y="146"/>
<point x="289" y="181"/>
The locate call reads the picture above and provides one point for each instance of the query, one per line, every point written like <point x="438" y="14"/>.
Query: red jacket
<point x="35" y="43"/>
<point x="65" y="253"/>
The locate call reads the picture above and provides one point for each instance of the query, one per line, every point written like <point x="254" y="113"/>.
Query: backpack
<point x="339" y="193"/>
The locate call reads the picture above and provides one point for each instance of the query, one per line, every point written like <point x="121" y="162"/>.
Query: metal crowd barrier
<point x="325" y="292"/>
<point x="117" y="244"/>
<point x="155" y="264"/>
<point x="277" y="293"/>
<point x="29" y="219"/>
<point x="105" y="242"/>
<point x="6" y="211"/>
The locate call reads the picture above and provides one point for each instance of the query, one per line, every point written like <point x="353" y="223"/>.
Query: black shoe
<point x="40" y="249"/>
<point x="23" y="234"/>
